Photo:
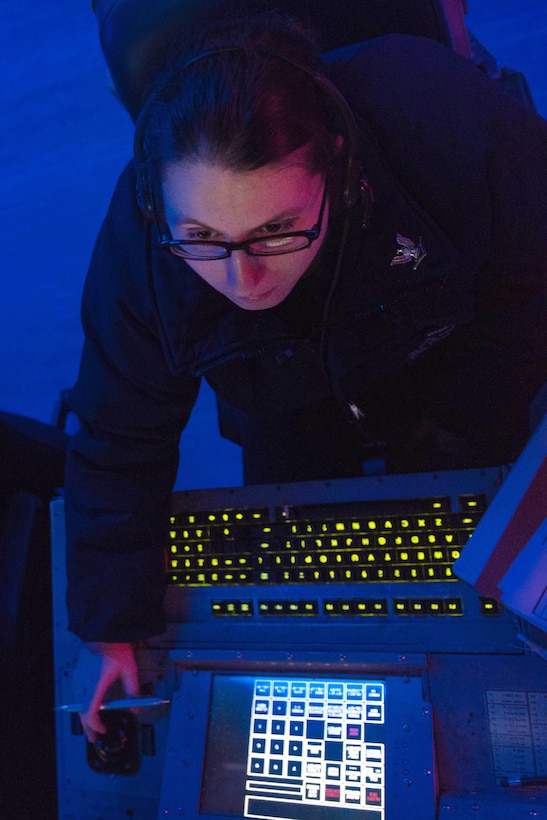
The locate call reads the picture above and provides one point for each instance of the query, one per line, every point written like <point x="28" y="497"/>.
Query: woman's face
<point x="210" y="202"/>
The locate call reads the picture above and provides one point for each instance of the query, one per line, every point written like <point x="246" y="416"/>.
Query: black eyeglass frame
<point x="310" y="235"/>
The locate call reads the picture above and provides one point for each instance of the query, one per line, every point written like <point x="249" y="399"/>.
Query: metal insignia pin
<point x="408" y="251"/>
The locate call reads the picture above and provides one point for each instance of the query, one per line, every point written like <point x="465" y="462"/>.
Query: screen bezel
<point x="410" y="781"/>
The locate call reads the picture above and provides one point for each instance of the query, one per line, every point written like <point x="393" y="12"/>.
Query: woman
<point x="355" y="264"/>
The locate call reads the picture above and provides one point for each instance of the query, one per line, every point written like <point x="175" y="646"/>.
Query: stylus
<point x="126" y="703"/>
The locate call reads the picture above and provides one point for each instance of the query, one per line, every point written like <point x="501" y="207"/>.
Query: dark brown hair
<point x="244" y="97"/>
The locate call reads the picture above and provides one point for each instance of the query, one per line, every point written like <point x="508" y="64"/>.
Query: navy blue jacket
<point x="439" y="310"/>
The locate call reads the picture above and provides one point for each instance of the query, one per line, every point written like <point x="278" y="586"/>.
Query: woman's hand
<point x="100" y="666"/>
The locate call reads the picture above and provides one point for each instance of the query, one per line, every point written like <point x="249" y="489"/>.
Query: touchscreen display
<point x="296" y="748"/>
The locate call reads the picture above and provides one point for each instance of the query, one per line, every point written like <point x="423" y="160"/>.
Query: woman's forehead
<point x="224" y="199"/>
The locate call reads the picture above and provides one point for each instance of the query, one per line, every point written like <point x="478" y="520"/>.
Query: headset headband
<point x="353" y="187"/>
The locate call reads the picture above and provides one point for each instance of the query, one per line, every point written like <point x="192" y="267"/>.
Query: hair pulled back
<point x="239" y="99"/>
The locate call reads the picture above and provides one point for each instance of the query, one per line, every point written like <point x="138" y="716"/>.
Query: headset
<point x="355" y="188"/>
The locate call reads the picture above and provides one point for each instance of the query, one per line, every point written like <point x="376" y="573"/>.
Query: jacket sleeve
<point x="475" y="158"/>
<point x="122" y="463"/>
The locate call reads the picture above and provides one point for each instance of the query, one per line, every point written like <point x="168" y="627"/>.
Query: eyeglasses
<point x="273" y="245"/>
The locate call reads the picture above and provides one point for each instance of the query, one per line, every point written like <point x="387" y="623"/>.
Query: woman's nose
<point x="244" y="272"/>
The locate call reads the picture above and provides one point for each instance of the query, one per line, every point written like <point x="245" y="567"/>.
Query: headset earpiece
<point x="144" y="195"/>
